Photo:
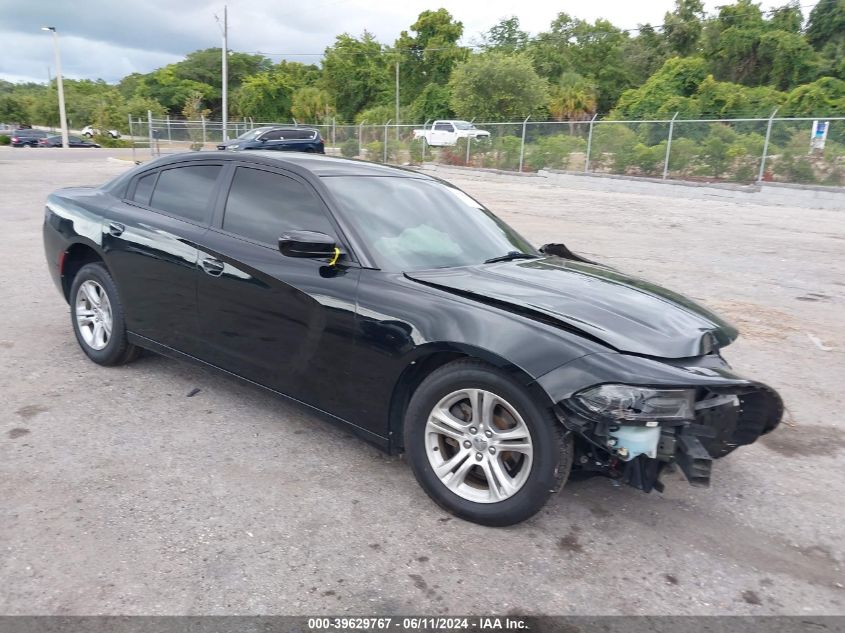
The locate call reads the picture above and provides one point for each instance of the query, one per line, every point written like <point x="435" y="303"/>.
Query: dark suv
<point x="285" y="139"/>
<point x="27" y="137"/>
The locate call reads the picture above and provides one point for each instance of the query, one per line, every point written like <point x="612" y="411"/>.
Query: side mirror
<point x="310" y="244"/>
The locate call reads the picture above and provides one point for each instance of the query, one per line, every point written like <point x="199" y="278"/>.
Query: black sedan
<point x="397" y="305"/>
<point x="280" y="139"/>
<point x="27" y="137"/>
<point x="72" y="141"/>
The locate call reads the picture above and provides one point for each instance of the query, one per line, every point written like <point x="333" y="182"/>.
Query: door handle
<point x="116" y="229"/>
<point x="213" y="267"/>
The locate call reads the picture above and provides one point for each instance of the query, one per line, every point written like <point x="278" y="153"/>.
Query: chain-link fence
<point x="706" y="150"/>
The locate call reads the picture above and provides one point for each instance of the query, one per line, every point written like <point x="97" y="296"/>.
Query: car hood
<point x="625" y="313"/>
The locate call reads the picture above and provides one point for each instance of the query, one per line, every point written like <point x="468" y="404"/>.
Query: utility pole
<point x="225" y="29"/>
<point x="59" y="85"/>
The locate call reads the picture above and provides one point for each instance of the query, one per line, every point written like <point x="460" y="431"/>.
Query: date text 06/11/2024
<point x="417" y="623"/>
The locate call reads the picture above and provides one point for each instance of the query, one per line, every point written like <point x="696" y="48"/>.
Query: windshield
<point x="463" y="125"/>
<point x="414" y="224"/>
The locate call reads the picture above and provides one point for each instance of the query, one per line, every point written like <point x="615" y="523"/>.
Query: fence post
<point x="169" y="138"/>
<point x="385" y="139"/>
<point x="202" y="118"/>
<point x="360" y="138"/>
<point x="669" y="146"/>
<point x="469" y="142"/>
<point x="522" y="146"/>
<point x="150" y="130"/>
<point x="423" y="141"/>
<point x="334" y="132"/>
<point x="132" y="137"/>
<point x="766" y="146"/>
<point x="589" y="144"/>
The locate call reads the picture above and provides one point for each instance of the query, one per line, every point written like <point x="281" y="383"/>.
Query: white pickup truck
<point x="447" y="132"/>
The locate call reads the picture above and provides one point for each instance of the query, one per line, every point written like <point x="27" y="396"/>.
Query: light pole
<point x="224" y="27"/>
<point x="59" y="85"/>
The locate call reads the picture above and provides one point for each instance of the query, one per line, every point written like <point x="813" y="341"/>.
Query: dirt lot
<point x="119" y="494"/>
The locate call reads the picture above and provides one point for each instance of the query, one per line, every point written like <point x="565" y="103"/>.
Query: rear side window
<point x="445" y="127"/>
<point x="299" y="134"/>
<point x="186" y="192"/>
<point x="262" y="205"/>
<point x="144" y="188"/>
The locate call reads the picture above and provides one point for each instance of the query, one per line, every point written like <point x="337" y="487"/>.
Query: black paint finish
<point x="350" y="340"/>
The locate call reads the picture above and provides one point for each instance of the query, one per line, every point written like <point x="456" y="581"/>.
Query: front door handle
<point x="213" y="267"/>
<point x="116" y="229"/>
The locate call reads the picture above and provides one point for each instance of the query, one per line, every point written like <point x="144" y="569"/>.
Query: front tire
<point x="97" y="317"/>
<point x="482" y="447"/>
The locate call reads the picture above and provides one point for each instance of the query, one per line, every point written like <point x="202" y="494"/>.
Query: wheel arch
<point x="431" y="357"/>
<point x="77" y="255"/>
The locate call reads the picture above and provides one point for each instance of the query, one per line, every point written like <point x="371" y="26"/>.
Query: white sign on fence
<point x="819" y="134"/>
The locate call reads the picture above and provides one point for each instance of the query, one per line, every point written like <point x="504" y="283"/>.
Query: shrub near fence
<point x="725" y="150"/>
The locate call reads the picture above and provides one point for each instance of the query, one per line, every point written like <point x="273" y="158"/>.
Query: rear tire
<point x="482" y="447"/>
<point x="97" y="317"/>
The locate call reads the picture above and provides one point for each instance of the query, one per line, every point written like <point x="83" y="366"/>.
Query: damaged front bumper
<point x="633" y="441"/>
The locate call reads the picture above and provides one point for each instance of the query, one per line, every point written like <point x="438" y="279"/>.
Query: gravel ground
<point x="120" y="495"/>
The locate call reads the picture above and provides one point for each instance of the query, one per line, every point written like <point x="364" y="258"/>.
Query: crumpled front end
<point x="672" y="414"/>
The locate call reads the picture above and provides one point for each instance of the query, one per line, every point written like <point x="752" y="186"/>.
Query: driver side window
<point x="263" y="204"/>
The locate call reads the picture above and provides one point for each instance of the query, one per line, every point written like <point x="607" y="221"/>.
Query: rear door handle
<point x="213" y="267"/>
<point x="116" y="229"/>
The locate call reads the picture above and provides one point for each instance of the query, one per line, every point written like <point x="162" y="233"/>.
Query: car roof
<point x="317" y="164"/>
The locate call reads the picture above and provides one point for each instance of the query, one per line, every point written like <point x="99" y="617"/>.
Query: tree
<point x="13" y="110"/>
<point x="826" y="34"/>
<point x="743" y="47"/>
<point x="265" y="97"/>
<point x="429" y="53"/>
<point x="682" y="27"/>
<point x="494" y="86"/>
<point x="572" y="99"/>
<point x="312" y="105"/>
<point x="506" y="36"/>
<point x="824" y="97"/>
<point x="432" y="103"/>
<point x="355" y="71"/>
<point x="596" y="51"/>
<point x="645" y="54"/>
<point x="193" y="111"/>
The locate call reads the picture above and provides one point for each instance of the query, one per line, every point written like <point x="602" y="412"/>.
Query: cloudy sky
<point x="111" y="38"/>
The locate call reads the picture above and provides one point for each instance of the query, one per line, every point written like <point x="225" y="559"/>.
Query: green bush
<point x="649" y="159"/>
<point x="415" y="151"/>
<point x="795" y="168"/>
<point x="375" y="151"/>
<point x="104" y="140"/>
<point x="349" y="148"/>
<point x="683" y="154"/>
<point x="554" y="152"/>
<point x="506" y="152"/>
<point x="613" y="146"/>
<point x="5" y="140"/>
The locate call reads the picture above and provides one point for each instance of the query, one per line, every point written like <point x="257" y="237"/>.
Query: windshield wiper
<point x="509" y="257"/>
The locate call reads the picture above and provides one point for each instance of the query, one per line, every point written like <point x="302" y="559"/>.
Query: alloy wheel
<point x="93" y="314"/>
<point x="478" y="445"/>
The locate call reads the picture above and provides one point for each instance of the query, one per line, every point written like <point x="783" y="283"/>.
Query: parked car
<point x="444" y="133"/>
<point x="396" y="305"/>
<point x="72" y="141"/>
<point x="91" y="132"/>
<point x="27" y="137"/>
<point x="284" y="139"/>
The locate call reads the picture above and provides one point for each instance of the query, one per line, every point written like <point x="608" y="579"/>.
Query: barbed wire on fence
<point x="740" y="149"/>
